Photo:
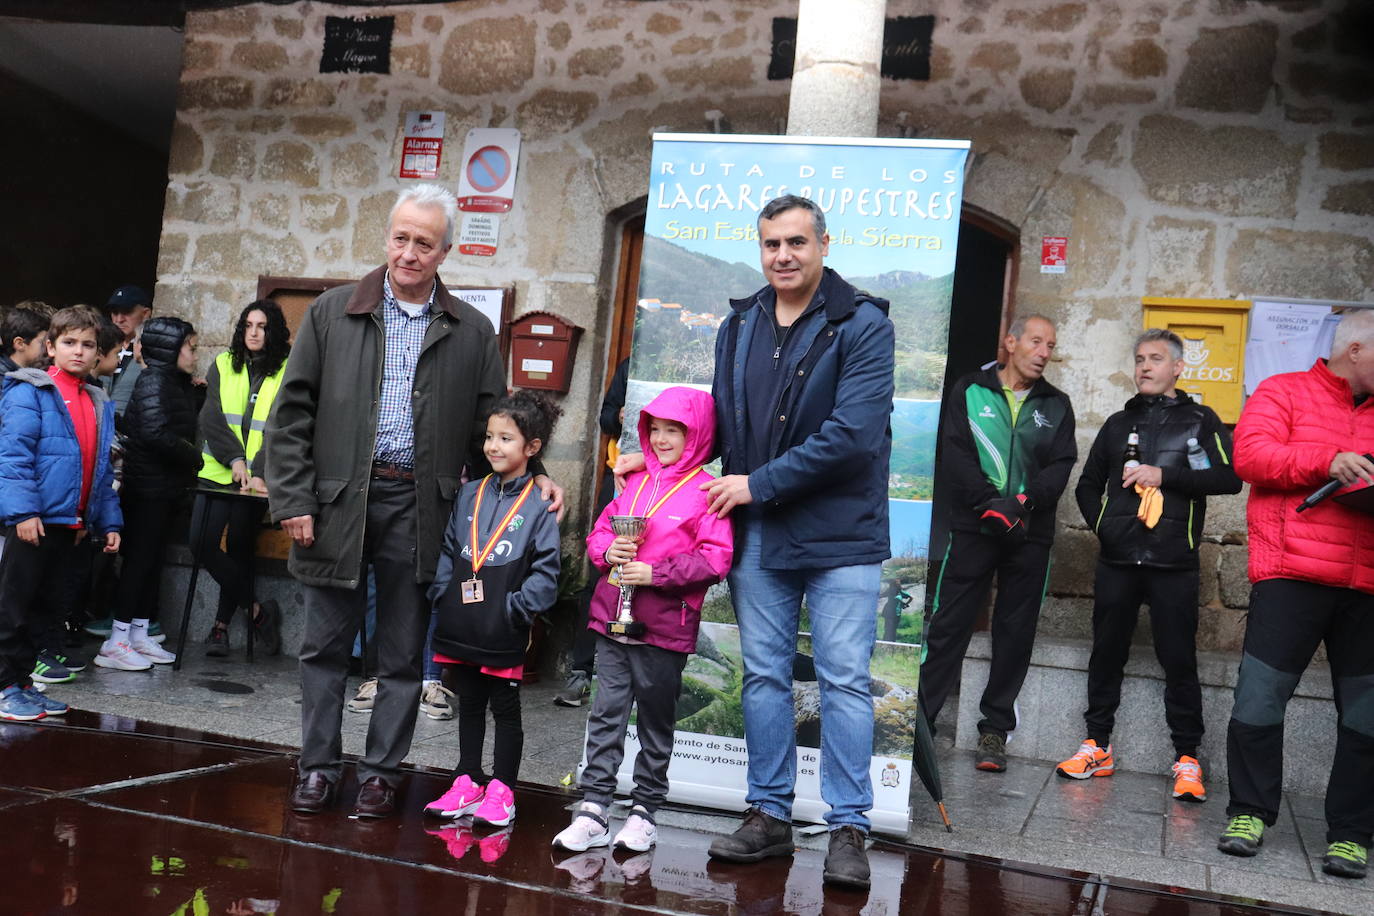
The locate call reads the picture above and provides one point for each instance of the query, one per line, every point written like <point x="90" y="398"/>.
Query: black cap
<point x="128" y="296"/>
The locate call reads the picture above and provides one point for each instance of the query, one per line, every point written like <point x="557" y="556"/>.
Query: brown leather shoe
<point x="375" y="799"/>
<point x="313" y="793"/>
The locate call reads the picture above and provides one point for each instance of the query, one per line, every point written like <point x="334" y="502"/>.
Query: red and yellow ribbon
<point x="480" y="558"/>
<point x="666" y="496"/>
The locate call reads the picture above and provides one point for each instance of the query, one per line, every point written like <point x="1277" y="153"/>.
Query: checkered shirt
<point x="404" y="338"/>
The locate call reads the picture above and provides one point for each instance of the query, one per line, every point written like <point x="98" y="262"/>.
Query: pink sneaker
<point x="463" y="797"/>
<point x="498" y="806"/>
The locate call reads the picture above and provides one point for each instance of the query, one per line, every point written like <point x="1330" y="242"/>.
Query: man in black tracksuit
<point x="1149" y="522"/>
<point x="1006" y="450"/>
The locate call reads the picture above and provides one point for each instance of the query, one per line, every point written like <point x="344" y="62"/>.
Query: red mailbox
<point x="543" y="346"/>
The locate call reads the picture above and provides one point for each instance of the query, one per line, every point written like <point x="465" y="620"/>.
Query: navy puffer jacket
<point x="161" y="457"/>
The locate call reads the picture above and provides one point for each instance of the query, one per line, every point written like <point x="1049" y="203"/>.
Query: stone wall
<point x="1214" y="148"/>
<point x="279" y="169"/>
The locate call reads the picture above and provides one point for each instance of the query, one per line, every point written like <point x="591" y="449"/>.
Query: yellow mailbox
<point x="1214" y="334"/>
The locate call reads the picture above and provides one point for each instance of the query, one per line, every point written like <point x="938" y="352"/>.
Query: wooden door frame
<point x="995" y="225"/>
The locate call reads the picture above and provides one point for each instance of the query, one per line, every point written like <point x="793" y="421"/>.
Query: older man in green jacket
<point x="383" y="404"/>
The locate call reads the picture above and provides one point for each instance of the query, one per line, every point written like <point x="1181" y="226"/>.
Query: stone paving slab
<point x="1194" y="836"/>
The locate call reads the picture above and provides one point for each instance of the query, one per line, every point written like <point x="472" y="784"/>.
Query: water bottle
<point x="1197" y="458"/>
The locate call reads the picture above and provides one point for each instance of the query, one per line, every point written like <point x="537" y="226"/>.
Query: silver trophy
<point x="632" y="527"/>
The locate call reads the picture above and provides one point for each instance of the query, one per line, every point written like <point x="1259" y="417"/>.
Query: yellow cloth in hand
<point x="612" y="453"/>
<point x="1151" y="505"/>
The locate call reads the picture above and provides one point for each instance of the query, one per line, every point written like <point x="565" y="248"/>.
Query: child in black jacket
<point x="161" y="459"/>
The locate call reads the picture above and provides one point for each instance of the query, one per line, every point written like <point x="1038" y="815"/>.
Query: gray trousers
<point x="333" y="617"/>
<point x="651" y="679"/>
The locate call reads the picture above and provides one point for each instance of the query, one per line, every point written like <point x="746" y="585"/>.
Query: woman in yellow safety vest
<point x="241" y="386"/>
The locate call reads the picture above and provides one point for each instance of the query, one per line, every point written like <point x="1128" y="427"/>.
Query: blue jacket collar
<point x="839" y="298"/>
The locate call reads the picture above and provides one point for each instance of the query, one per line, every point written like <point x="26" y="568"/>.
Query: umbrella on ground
<point x="927" y="767"/>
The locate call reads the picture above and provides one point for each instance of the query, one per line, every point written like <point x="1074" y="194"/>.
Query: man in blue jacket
<point x="803" y="389"/>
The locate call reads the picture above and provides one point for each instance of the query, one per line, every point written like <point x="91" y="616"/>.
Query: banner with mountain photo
<point x="892" y="212"/>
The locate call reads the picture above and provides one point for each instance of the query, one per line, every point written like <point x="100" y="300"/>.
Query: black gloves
<point x="1005" y="516"/>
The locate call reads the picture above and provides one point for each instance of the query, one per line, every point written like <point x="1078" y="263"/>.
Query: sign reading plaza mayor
<point x="892" y="212"/>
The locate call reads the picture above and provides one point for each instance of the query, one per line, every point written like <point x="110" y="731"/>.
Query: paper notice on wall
<point x="1285" y="337"/>
<point x="1054" y="254"/>
<point x="479" y="233"/>
<point x="423" y="144"/>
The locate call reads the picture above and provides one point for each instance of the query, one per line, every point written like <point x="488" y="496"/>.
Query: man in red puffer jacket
<point x="1313" y="582"/>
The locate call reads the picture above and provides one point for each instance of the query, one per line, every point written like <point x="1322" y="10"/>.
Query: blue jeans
<point x="842" y="604"/>
<point x="432" y="668"/>
<point x="370" y="621"/>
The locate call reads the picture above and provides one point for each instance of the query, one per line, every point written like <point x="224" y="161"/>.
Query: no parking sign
<point x="490" y="157"/>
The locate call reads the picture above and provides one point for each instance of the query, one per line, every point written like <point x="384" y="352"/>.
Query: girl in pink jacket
<point x="685" y="549"/>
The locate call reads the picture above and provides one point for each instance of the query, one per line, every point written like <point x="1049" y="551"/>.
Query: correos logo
<point x="1196" y="368"/>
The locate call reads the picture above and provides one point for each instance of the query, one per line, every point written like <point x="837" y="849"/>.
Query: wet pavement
<point x="107" y="815"/>
<point x="115" y="814"/>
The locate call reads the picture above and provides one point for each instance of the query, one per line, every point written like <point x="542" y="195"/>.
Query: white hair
<point x="429" y="195"/>
<point x="1356" y="325"/>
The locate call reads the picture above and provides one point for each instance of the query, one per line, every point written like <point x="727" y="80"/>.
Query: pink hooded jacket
<point x="689" y="548"/>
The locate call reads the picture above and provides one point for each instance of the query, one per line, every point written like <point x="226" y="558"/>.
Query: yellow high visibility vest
<point x="234" y="388"/>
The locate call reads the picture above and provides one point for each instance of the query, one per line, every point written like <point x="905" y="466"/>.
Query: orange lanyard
<point x="666" y="496"/>
<point x="480" y="558"/>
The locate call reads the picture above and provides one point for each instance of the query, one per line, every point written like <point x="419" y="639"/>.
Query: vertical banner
<point x="892" y="212"/>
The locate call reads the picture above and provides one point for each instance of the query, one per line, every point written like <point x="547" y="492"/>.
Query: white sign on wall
<point x="1286" y="337"/>
<point x="486" y="301"/>
<point x="487" y="181"/>
<point x="479" y="233"/>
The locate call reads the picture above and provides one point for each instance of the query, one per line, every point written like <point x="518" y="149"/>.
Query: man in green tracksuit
<point x="1006" y="450"/>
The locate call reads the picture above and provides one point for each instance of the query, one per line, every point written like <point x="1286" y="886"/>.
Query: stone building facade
<point x="1210" y="148"/>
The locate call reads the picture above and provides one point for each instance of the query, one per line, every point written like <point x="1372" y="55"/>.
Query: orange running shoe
<point x="1090" y="760"/>
<point x="1188" y="780"/>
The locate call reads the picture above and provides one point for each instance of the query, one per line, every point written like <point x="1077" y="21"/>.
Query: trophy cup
<point x="632" y="527"/>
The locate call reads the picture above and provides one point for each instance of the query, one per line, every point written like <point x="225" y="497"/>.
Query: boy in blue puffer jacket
<point x="55" y="489"/>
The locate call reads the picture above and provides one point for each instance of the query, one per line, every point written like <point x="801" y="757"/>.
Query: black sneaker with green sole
<point x="1346" y="859"/>
<point x="1243" y="836"/>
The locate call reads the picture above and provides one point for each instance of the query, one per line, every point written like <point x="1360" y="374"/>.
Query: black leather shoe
<point x="846" y="862"/>
<point x="759" y="837"/>
<point x="375" y="799"/>
<point x="313" y="793"/>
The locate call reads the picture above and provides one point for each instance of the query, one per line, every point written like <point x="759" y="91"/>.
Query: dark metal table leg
<point x="202" y="502"/>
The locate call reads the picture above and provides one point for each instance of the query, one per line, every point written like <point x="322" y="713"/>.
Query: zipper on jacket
<point x="778" y="343"/>
<point x="787" y="385"/>
<point x="1011" y="440"/>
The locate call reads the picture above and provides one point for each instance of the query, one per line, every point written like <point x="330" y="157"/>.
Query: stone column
<point x="836" y="78"/>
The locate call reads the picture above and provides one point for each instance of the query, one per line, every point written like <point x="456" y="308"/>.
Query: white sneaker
<point x="588" y="829"/>
<point x="639" y="833"/>
<point x="122" y="657"/>
<point x="154" y="652"/>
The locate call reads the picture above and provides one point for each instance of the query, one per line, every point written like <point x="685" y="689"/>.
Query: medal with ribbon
<point x="472" y="589"/>
<point x="615" y="570"/>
